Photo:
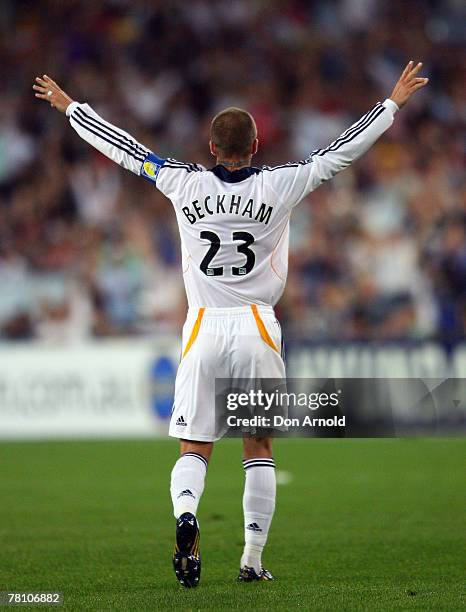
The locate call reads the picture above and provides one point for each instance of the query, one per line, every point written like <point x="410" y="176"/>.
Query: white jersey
<point x="234" y="226"/>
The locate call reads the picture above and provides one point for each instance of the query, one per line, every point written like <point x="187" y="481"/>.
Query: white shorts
<point x="228" y="343"/>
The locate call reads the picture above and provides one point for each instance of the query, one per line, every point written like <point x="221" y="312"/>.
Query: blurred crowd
<point x="89" y="250"/>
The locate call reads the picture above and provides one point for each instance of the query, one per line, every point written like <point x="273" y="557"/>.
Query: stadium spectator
<point x="380" y="253"/>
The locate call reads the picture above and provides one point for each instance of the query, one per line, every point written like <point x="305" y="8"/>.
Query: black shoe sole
<point x="187" y="569"/>
<point x="186" y="556"/>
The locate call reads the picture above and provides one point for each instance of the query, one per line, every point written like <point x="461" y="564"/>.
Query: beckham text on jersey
<point x="232" y="205"/>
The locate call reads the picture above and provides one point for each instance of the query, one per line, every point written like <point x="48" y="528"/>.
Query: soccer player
<point x="234" y="222"/>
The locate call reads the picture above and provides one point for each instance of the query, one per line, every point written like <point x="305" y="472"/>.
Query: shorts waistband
<point x="236" y="311"/>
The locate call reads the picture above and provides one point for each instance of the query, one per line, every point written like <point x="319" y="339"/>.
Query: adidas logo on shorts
<point x="180" y="421"/>
<point x="253" y="527"/>
<point x="186" y="492"/>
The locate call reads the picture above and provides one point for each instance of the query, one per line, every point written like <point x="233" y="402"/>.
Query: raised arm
<point x="116" y="144"/>
<point x="361" y="136"/>
<point x="296" y="180"/>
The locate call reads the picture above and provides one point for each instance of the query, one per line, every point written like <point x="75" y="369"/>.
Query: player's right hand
<point x="47" y="89"/>
<point x="407" y="84"/>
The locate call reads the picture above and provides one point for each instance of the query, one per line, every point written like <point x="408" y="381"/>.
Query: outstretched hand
<point x="407" y="84"/>
<point x="47" y="89"/>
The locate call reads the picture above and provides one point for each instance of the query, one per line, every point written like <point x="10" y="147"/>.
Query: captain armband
<point x="151" y="167"/>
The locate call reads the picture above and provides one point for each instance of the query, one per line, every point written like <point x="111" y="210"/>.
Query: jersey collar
<point x="236" y="176"/>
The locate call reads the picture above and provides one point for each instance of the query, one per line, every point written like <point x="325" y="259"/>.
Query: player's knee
<point x="257" y="447"/>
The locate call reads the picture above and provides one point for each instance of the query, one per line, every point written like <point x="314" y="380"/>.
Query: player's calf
<point x="258" y="506"/>
<point x="187" y="485"/>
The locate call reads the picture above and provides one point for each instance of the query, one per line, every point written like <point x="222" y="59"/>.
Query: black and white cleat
<point x="249" y="574"/>
<point x="186" y="554"/>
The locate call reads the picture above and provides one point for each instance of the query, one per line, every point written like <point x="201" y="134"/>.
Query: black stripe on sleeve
<point x="111" y="133"/>
<point x="167" y="165"/>
<point x="188" y="166"/>
<point x="359" y="124"/>
<point x="289" y="165"/>
<point x="337" y="144"/>
<point x="347" y="136"/>
<point x="138" y="157"/>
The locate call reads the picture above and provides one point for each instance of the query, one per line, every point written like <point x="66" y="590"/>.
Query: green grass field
<point x="362" y="525"/>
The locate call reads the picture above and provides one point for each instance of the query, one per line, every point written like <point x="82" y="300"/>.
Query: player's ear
<point x="255" y="146"/>
<point x="212" y="148"/>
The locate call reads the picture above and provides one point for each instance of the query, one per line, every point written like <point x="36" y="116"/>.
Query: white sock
<point x="258" y="505"/>
<point x="187" y="483"/>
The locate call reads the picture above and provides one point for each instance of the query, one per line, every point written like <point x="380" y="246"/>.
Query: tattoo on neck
<point x="233" y="164"/>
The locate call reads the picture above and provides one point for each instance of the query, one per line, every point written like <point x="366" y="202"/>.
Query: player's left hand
<point x="47" y="89"/>
<point x="407" y="84"/>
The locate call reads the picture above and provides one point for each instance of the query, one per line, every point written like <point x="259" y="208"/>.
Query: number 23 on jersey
<point x="245" y="240"/>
